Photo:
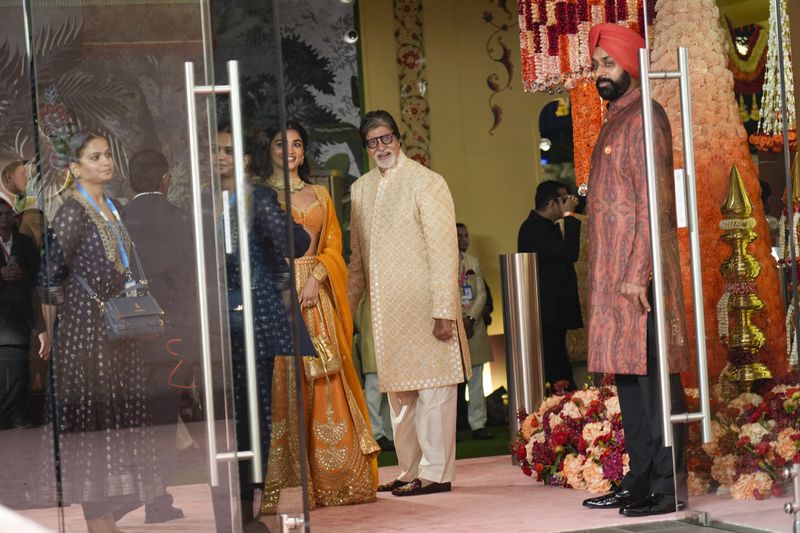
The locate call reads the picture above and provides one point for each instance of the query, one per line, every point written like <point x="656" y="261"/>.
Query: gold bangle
<point x="320" y="272"/>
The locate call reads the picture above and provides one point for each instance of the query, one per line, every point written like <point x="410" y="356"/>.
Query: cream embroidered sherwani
<point x="405" y="255"/>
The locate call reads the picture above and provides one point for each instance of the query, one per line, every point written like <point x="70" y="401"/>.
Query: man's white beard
<point x="387" y="163"/>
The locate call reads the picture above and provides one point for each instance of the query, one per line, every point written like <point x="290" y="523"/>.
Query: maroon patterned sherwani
<point x="619" y="237"/>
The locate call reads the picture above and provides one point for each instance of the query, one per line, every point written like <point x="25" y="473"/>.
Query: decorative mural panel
<point x="414" y="107"/>
<point x="319" y="71"/>
<point x="126" y="84"/>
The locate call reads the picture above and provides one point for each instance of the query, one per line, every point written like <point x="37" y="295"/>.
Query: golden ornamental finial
<point x="738" y="204"/>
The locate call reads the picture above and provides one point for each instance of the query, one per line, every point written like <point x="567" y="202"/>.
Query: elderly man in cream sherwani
<point x="405" y="256"/>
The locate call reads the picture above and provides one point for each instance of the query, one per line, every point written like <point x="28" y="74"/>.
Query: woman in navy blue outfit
<point x="267" y="238"/>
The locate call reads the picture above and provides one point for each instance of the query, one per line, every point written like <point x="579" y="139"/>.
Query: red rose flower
<point x="763" y="449"/>
<point x="539" y="467"/>
<point x="743" y="441"/>
<point x="560" y="435"/>
<point x="527" y="470"/>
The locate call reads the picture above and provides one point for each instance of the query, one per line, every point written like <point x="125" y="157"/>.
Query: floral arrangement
<point x="720" y="141"/>
<point x="554" y="37"/>
<point x="587" y="114"/>
<point x="769" y="137"/>
<point x="574" y="440"/>
<point x="754" y="437"/>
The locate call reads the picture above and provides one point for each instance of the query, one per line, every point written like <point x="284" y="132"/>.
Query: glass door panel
<point x="130" y="422"/>
<point x="24" y="374"/>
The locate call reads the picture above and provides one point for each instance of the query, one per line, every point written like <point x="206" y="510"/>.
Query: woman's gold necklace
<point x="295" y="184"/>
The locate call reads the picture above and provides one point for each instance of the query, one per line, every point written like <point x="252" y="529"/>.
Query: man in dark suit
<point x="556" y="254"/>
<point x="162" y="234"/>
<point x="20" y="315"/>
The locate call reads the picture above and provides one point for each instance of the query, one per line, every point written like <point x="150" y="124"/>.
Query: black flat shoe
<point x="653" y="505"/>
<point x="612" y="500"/>
<point x="482" y="434"/>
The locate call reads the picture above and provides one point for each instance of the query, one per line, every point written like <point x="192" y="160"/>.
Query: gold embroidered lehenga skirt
<point x="340" y="445"/>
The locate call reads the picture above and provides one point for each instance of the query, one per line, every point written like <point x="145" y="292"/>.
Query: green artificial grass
<point x="467" y="447"/>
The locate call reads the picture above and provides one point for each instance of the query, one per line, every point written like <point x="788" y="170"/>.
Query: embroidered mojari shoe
<point x="388" y="487"/>
<point x="415" y="488"/>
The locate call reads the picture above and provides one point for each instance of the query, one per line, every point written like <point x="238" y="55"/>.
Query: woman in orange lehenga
<point x="341" y="452"/>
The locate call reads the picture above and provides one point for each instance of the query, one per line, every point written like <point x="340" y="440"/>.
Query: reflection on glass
<point x="162" y="234"/>
<point x="341" y="451"/>
<point x="270" y="295"/>
<point x="105" y="450"/>
<point x="20" y="315"/>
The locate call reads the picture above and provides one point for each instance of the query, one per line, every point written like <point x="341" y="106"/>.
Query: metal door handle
<point x="232" y="89"/>
<point x="205" y="334"/>
<point x="682" y="74"/>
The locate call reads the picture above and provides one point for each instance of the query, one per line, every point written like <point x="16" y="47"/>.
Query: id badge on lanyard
<point x="466" y="295"/>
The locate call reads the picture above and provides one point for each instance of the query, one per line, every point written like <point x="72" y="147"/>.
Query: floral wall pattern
<point x="502" y="20"/>
<point x="414" y="107"/>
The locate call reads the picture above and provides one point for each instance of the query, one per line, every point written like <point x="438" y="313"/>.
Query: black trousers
<point x="651" y="464"/>
<point x="556" y="359"/>
<point x="13" y="385"/>
<point x="164" y="401"/>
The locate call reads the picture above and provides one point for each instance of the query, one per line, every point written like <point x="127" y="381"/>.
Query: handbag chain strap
<point x="88" y="289"/>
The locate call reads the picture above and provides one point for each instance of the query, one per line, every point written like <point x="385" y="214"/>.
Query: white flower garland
<point x="770" y="122"/>
<point x="722" y="317"/>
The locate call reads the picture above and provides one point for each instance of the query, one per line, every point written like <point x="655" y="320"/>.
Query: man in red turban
<point x="621" y="334"/>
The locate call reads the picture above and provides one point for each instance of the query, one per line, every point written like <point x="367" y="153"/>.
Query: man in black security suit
<point x="20" y="316"/>
<point x="162" y="234"/>
<point x="558" y="284"/>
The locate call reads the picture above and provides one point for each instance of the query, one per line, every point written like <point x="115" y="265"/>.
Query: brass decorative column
<point x="744" y="339"/>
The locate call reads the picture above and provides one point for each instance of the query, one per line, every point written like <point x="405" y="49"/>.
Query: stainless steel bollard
<point x="523" y="335"/>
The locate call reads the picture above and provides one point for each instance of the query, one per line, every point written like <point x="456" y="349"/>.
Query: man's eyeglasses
<point x="385" y="139"/>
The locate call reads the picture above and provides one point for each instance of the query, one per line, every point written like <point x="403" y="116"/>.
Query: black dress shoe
<point x="154" y="515"/>
<point x="388" y="487"/>
<point x="482" y="434"/>
<point x="612" y="500"/>
<point x="415" y="488"/>
<point x="385" y="444"/>
<point x="653" y="505"/>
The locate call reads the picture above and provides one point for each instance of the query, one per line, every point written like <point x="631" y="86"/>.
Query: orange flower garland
<point x="587" y="119"/>
<point x="719" y="141"/>
<point x="554" y="37"/>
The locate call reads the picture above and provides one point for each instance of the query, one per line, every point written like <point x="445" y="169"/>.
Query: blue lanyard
<point x="122" y="253"/>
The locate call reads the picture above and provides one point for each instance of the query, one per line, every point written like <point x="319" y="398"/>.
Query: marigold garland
<point x="587" y="119"/>
<point x="554" y="37"/>
<point x="719" y="141"/>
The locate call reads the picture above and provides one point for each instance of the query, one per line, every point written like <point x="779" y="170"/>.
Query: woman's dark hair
<point x="375" y="119"/>
<point x="273" y="131"/>
<point x="78" y="142"/>
<point x="251" y="146"/>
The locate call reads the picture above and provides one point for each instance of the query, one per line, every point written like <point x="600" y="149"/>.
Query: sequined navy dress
<point x="269" y="270"/>
<point x="105" y="450"/>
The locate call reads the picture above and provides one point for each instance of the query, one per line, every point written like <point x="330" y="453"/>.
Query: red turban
<point x="621" y="44"/>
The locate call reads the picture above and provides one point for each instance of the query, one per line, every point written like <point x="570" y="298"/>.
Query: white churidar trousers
<point x="424" y="426"/>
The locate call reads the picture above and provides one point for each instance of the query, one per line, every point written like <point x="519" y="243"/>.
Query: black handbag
<point x="130" y="317"/>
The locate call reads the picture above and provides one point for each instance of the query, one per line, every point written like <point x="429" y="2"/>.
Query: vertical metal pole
<point x="295" y="311"/>
<point x="523" y="333"/>
<point x="788" y="172"/>
<point x="205" y="334"/>
<point x="690" y="191"/>
<point x="655" y="242"/>
<point x="243" y="223"/>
